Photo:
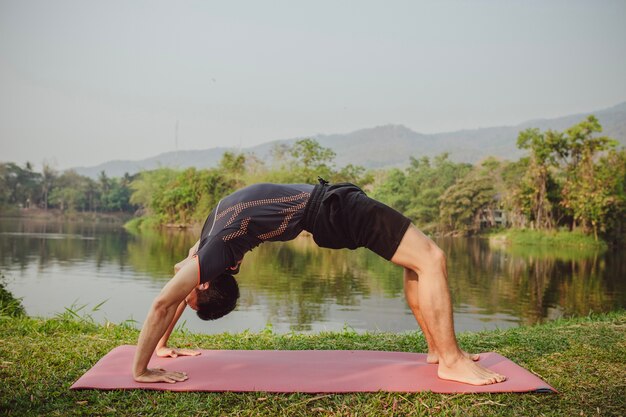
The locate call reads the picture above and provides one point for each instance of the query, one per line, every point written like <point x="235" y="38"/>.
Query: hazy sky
<point x="83" y="82"/>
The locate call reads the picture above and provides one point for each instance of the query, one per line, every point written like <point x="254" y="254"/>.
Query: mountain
<point x="387" y="146"/>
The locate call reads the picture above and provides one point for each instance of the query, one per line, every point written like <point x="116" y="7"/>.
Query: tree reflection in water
<point x="300" y="285"/>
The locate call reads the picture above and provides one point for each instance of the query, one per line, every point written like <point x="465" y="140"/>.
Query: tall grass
<point x="9" y="305"/>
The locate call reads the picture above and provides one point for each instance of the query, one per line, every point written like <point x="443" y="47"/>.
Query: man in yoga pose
<point x="338" y="216"/>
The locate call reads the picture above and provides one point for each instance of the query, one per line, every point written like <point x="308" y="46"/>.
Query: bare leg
<point x="422" y="256"/>
<point x="410" y="292"/>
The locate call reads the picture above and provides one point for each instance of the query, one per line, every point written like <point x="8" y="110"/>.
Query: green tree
<point x="179" y="197"/>
<point x="112" y="194"/>
<point x="301" y="162"/>
<point x="426" y="183"/>
<point x="392" y="190"/>
<point x="69" y="191"/>
<point x="19" y="186"/>
<point x="48" y="176"/>
<point x="590" y="190"/>
<point x="612" y="171"/>
<point x="147" y="185"/>
<point x="471" y="197"/>
<point x="537" y="186"/>
<point x="233" y="166"/>
<point x="355" y="174"/>
<point x="416" y="192"/>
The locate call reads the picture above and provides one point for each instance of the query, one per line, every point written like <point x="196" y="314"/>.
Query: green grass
<point x="527" y="240"/>
<point x="584" y="358"/>
<point x="145" y="223"/>
<point x="549" y="237"/>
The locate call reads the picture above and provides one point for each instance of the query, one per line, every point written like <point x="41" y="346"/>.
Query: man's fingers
<point x="187" y="352"/>
<point x="171" y="353"/>
<point x="172" y="379"/>
<point x="174" y="353"/>
<point x="161" y="375"/>
<point x="177" y="376"/>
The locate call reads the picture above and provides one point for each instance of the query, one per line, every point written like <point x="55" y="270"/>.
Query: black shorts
<point x="343" y="216"/>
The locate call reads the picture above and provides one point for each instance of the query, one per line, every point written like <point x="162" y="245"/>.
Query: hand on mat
<point x="161" y="375"/>
<point x="166" y="352"/>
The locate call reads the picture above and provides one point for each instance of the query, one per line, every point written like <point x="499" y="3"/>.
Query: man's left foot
<point x="434" y="357"/>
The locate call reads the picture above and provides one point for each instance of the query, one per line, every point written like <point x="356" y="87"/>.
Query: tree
<point x="19" y="186"/>
<point x="147" y="186"/>
<point x="69" y="191"/>
<point x="612" y="171"/>
<point x="392" y="190"/>
<point x="538" y="180"/>
<point x="590" y="189"/>
<point x="464" y="203"/>
<point x="233" y="166"/>
<point x="310" y="160"/>
<point x="355" y="174"/>
<point x="302" y="162"/>
<point x="48" y="176"/>
<point x="514" y="197"/>
<point x="416" y="192"/>
<point x="180" y="197"/>
<point x="426" y="183"/>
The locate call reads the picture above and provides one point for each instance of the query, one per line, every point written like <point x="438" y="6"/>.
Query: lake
<point x="296" y="286"/>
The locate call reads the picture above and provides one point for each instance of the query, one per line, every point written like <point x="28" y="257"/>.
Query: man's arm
<point x="162" y="350"/>
<point x="192" y="252"/>
<point x="193" y="249"/>
<point x="159" y="318"/>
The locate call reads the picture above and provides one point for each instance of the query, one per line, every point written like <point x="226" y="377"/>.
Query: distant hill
<point x="387" y="146"/>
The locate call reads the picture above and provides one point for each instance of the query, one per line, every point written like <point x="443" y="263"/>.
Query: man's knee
<point x="419" y="253"/>
<point x="432" y="258"/>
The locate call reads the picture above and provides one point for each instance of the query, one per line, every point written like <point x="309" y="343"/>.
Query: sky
<point x="84" y="82"/>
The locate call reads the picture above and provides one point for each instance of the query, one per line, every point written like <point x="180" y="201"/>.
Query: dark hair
<point x="219" y="299"/>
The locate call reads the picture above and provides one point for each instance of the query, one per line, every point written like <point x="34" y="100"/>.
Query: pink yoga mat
<point x="311" y="371"/>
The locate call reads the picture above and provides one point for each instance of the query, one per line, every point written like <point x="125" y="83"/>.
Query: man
<point x="338" y="216"/>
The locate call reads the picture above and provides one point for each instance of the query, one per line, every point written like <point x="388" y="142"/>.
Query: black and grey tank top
<point x="247" y="218"/>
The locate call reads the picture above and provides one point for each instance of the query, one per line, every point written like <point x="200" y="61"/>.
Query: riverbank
<point x="151" y="223"/>
<point x="583" y="358"/>
<point x="55" y="215"/>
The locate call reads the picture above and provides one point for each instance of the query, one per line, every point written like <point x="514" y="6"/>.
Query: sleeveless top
<point x="245" y="219"/>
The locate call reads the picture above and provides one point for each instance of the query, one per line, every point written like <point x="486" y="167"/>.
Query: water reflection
<point x="298" y="286"/>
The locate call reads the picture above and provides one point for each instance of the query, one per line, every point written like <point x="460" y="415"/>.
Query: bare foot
<point x="463" y="369"/>
<point x="434" y="357"/>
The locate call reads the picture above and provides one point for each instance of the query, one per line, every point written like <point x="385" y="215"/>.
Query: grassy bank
<point x="152" y="223"/>
<point x="137" y="224"/>
<point x="584" y="358"/>
<point x="562" y="238"/>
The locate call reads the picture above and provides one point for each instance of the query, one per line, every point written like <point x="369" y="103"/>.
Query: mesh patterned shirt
<point x="247" y="218"/>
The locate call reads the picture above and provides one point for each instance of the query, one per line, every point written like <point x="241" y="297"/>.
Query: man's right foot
<point x="463" y="369"/>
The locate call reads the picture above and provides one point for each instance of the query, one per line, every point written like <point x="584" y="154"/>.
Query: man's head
<point x="215" y="299"/>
